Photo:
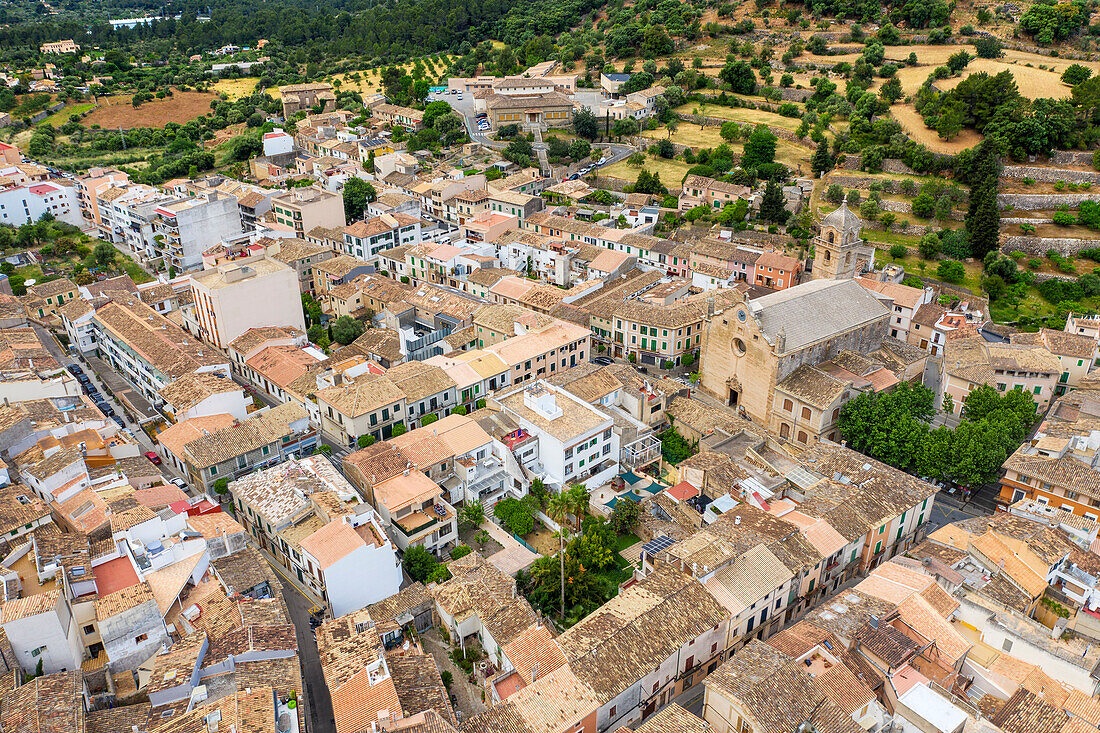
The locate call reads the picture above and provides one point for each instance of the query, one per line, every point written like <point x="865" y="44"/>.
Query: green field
<point x="60" y="117"/>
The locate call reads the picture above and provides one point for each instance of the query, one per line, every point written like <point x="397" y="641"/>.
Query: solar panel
<point x="657" y="544"/>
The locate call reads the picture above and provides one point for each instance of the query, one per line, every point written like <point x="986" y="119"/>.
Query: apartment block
<point x="184" y="229"/>
<point x="364" y="239"/>
<point x="235" y="297"/>
<point x="304" y="209"/>
<point x="209" y="448"/>
<point x="147" y="349"/>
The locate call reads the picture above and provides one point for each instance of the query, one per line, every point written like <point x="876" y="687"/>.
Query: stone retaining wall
<point x="850" y="162"/>
<point x="895" y="166"/>
<point x="612" y="184"/>
<point x="1071" y="157"/>
<point x="1030" y="48"/>
<point x="862" y="182"/>
<point x="1044" y="276"/>
<point x="790" y="94"/>
<point x="912" y="230"/>
<point x="1041" y="245"/>
<point x="1032" y="201"/>
<point x="1050" y="175"/>
<point x="1025" y="220"/>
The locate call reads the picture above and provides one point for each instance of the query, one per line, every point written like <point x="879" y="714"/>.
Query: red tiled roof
<point x="114" y="575"/>
<point x="682" y="491"/>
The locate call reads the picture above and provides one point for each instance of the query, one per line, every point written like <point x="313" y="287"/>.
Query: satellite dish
<point x="30" y="282"/>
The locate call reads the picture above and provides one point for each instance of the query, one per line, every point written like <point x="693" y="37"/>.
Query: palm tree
<point x="560" y="506"/>
<point x="578" y="498"/>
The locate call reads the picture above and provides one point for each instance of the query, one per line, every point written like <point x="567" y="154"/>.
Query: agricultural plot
<point x="915" y="127"/>
<point x="741" y="114"/>
<point x="672" y="172"/>
<point x="235" y="89"/>
<point x="693" y="136"/>
<point x="181" y="107"/>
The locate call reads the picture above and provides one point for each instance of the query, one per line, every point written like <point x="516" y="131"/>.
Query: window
<point x="38" y="652"/>
<point x="140" y="638"/>
<point x="89" y="629"/>
<point x="788" y="405"/>
<point x="1007" y="645"/>
<point x="806" y="413"/>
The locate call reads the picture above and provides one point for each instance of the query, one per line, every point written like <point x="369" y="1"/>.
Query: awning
<point x="630" y="477"/>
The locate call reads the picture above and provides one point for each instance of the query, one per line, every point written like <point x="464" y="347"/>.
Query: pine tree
<point x="822" y="162"/>
<point x="772" y="206"/>
<point x="985" y="226"/>
<point x="983" y="220"/>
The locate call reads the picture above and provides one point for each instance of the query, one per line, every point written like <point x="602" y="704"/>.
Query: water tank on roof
<point x="154" y="547"/>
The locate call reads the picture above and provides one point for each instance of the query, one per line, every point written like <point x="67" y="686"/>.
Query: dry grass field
<point x="1032" y="82"/>
<point x="672" y="172"/>
<point x="181" y="107"/>
<point x="235" y="89"/>
<point x="788" y="154"/>
<point x="741" y="114"/>
<point x="914" y="125"/>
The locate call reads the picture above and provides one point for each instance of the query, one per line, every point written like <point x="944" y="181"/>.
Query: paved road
<point x="66" y="359"/>
<point x="948" y="510"/>
<point x="318" y="699"/>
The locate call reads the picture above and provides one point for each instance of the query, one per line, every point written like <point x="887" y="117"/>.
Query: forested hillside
<point x="388" y="30"/>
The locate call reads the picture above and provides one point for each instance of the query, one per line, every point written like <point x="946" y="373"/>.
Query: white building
<point x="41" y="629"/>
<point x="126" y="217"/>
<point x="277" y="142"/>
<point x="340" y="552"/>
<point x="576" y="441"/>
<point x="363" y="240"/>
<point x="23" y="204"/>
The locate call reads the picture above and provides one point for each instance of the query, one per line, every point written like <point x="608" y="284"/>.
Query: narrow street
<point x="298" y="603"/>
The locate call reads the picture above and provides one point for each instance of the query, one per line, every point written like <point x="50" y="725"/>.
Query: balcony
<point x="414" y="525"/>
<point x="641" y="452"/>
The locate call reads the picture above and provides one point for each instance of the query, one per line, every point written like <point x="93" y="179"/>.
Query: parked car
<point x="153" y="457"/>
<point x="180" y="483"/>
<point x="603" y="360"/>
<point x="119" y="420"/>
<point x="75" y="369"/>
<point x="574" y="177"/>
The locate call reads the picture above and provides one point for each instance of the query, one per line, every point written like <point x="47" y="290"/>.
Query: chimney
<point x="781" y="340"/>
